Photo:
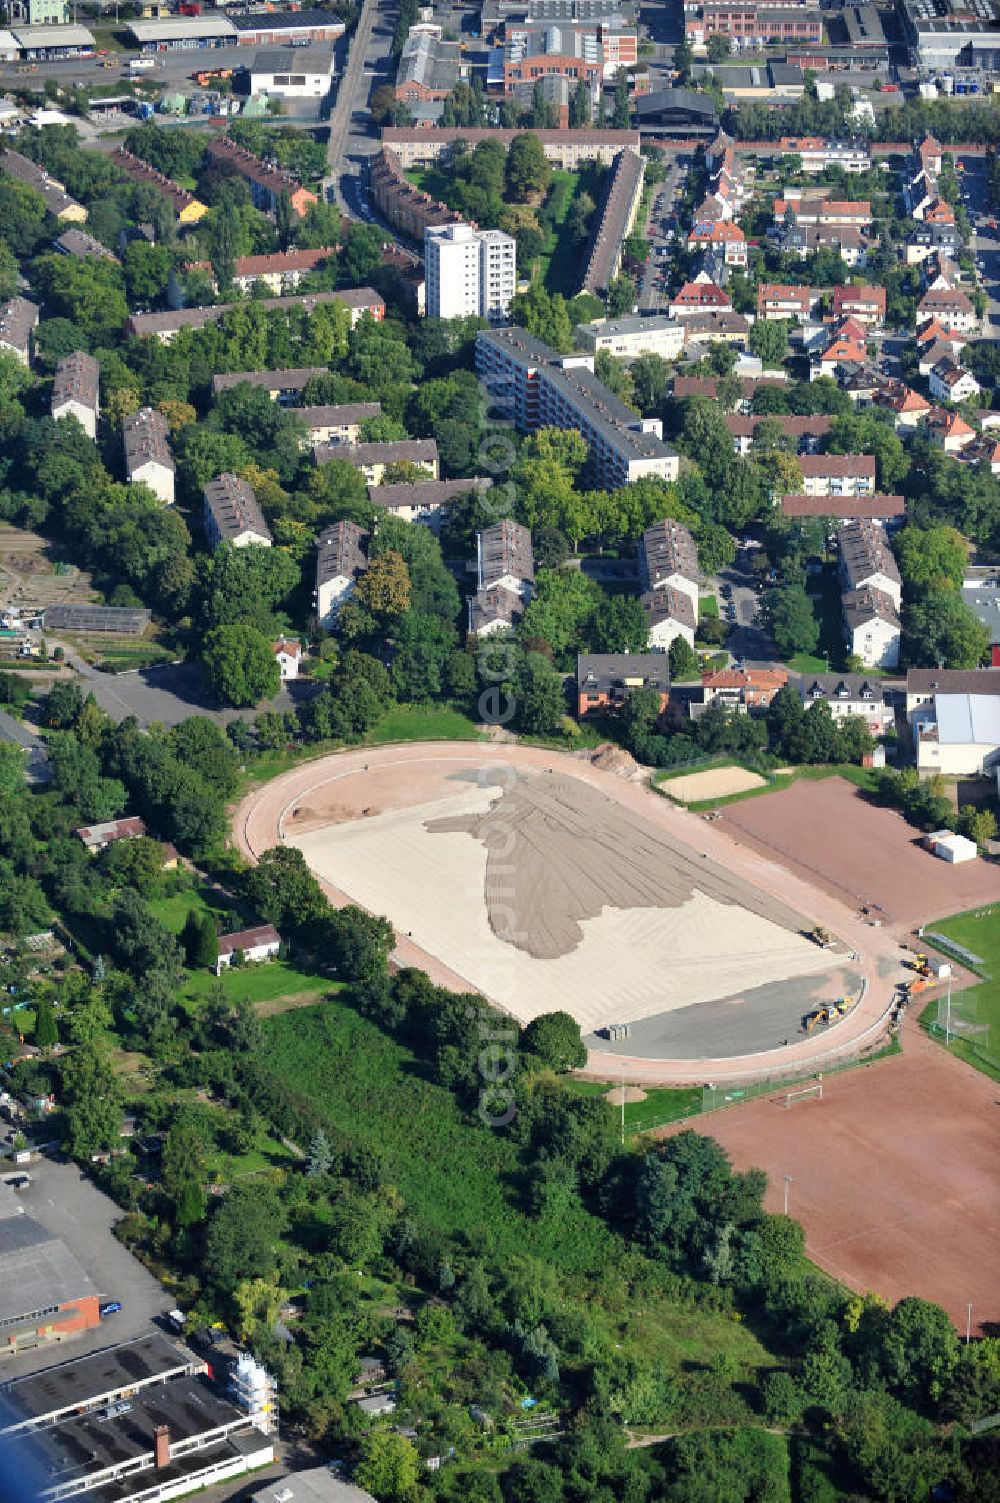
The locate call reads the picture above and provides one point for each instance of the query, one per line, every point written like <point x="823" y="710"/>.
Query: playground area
<point x="894" y="1173"/>
<point x="867" y="856"/>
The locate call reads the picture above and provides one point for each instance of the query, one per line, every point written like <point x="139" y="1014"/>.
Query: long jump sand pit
<point x="894" y="1175"/>
<point x="826" y="832"/>
<point x="546" y="889"/>
<point x="715" y="782"/>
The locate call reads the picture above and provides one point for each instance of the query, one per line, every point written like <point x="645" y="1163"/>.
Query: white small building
<point x="951" y="382"/>
<point x="288" y="652"/>
<point x="628" y="338"/>
<point x="262" y="943"/>
<point x="958" y="734"/>
<point x="954" y="848"/>
<point x="293" y="72"/>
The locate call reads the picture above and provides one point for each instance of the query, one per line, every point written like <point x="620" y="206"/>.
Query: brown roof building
<point x="406" y="207"/>
<point x="622" y="194"/>
<point x="163" y="326"/>
<point x="187" y="208"/>
<point x="279" y="385"/>
<point x="266" y="184"/>
<point x="74" y="242"/>
<point x="876" y="507"/>
<point x="232" y="513"/>
<point x="76" y="390"/>
<point x="341" y="559"/>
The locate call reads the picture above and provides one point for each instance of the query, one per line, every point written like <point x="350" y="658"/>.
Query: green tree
<point x="769" y="340"/>
<point x="580" y="112"/>
<point x="46" y="1028"/>
<point x="931" y="558"/>
<point x="89" y="291"/>
<point x="621" y="296"/>
<point x="540" y="701"/>
<point x="528" y="172"/>
<point x="93" y="1101"/>
<point x="205" y="947"/>
<point x="240" y="665"/>
<point x="940" y="629"/>
<point x="242" y="1237"/>
<point x="384" y="587"/>
<point x="183" y="1158"/>
<point x="719" y="47"/>
<point x="147" y="272"/>
<point x="788" y="614"/>
<point x="389" y="1466"/>
<point x="554" y="1038"/>
<point x="919" y="1349"/>
<point x="621" y="116"/>
<point x="685" y="664"/>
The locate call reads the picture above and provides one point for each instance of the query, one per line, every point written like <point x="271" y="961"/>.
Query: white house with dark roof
<point x="232" y="514"/>
<point x="669" y="614"/>
<point x="849" y="694"/>
<point x="260" y="943"/>
<point x="148" y="460"/>
<point x="341" y="559"/>
<point x="872" y="627"/>
<point x="951" y="382"/>
<point x="76" y="391"/>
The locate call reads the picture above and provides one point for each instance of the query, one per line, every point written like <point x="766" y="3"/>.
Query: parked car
<point x="113" y="1307"/>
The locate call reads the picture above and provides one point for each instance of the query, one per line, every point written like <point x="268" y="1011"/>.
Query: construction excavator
<point x="823" y="1016"/>
<point x="921" y="964"/>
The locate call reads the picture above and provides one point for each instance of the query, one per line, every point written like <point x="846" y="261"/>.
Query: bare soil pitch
<point x="828" y="833"/>
<point x="895" y="1175"/>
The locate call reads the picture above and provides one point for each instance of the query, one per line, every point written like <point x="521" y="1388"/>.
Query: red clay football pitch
<point x="894" y="1175"/>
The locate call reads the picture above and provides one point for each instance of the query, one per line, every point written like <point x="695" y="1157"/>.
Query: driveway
<point x="68" y="1204"/>
<point x="172" y="692"/>
<point x="746" y="640"/>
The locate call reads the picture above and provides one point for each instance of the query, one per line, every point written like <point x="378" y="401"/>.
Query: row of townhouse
<point x="871" y="594"/>
<point x="865" y="304"/>
<point x="921" y="191"/>
<point x="279" y="272"/>
<point x="669" y="579"/>
<point x="536" y="387"/>
<point x="813" y="206"/>
<point x="359" y="301"/>
<point x="58" y="202"/>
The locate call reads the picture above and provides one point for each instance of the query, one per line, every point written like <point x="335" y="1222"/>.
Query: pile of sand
<point x="560" y="852"/>
<point x="631" y="1092"/>
<point x="611" y="758"/>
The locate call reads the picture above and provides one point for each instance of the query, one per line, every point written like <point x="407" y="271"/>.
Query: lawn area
<point x="172" y="911"/>
<point x="263" y="985"/>
<point x="824" y="591"/>
<point x="559" y="262"/>
<point x="423" y="723"/>
<point x="976" y="933"/>
<point x="662" y="1104"/>
<point x="339" y="1070"/>
<point x="708" y="605"/>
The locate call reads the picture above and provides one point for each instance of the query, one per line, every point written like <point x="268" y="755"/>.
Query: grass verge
<point x="974" y="933"/>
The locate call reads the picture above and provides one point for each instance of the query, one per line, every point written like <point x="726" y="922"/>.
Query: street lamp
<point x="788" y="1181"/>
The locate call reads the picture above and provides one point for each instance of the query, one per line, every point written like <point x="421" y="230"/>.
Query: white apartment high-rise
<point x="469" y="272"/>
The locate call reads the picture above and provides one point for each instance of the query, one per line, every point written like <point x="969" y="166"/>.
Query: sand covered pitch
<point x="715" y="782"/>
<point x="608" y="917"/>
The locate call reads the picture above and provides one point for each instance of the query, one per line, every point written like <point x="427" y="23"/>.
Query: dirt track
<point x="400" y="776"/>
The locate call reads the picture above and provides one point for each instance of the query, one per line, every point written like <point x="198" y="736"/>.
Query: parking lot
<point x="67" y="1204"/>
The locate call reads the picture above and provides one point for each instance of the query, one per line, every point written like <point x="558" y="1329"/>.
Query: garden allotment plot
<point x="547" y="892"/>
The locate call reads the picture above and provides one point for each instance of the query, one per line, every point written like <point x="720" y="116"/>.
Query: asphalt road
<point x="984" y="242"/>
<point x="746" y="640"/>
<point x="352" y="135"/>
<point x="661" y="220"/>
